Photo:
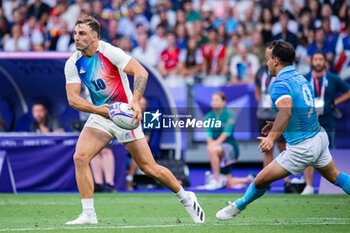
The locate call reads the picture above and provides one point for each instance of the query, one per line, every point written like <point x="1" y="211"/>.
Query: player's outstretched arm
<point x="279" y="125"/>
<point x="79" y="103"/>
<point x="140" y="80"/>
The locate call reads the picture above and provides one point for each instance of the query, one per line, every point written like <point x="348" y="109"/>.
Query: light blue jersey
<point x="303" y="123"/>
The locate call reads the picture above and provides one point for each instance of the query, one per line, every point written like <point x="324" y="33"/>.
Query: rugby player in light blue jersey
<point x="307" y="142"/>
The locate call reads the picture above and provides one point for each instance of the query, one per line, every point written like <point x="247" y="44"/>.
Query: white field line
<point x="284" y="224"/>
<point x="36" y="202"/>
<point x="96" y="227"/>
<point x="329" y="218"/>
<point x="178" y="225"/>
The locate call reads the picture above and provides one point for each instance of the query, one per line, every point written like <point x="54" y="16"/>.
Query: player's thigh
<point x="269" y="174"/>
<point x="141" y="153"/>
<point x="91" y="141"/>
<point x="329" y="172"/>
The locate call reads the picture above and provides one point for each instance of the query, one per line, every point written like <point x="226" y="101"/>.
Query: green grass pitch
<point x="163" y="213"/>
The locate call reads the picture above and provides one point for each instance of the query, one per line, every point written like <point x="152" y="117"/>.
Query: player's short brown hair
<point x="91" y="22"/>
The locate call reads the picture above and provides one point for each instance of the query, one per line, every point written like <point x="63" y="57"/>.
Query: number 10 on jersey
<point x="98" y="84"/>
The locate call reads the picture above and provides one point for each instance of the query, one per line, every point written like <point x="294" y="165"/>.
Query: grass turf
<point x="163" y="213"/>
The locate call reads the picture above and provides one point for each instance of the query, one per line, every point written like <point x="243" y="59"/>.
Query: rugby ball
<point x="122" y="116"/>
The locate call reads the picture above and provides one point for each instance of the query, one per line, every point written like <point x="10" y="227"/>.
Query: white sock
<point x="129" y="178"/>
<point x="88" y="205"/>
<point x="182" y="194"/>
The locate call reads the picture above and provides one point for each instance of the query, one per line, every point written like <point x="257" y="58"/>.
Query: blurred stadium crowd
<point x="221" y="41"/>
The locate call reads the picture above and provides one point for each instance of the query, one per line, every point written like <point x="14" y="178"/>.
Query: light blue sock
<point x="250" y="195"/>
<point x="343" y="181"/>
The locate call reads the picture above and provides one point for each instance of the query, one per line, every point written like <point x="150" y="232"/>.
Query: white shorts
<point x="108" y="126"/>
<point x="310" y="152"/>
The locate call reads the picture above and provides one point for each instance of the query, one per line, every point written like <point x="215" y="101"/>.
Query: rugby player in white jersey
<point x="103" y="68"/>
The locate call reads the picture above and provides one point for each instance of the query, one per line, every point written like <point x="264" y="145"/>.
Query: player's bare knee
<point x="257" y="181"/>
<point x="81" y="158"/>
<point x="333" y="176"/>
<point x="260" y="182"/>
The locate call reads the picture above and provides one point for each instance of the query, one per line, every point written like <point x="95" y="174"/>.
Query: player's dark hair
<point x="221" y="95"/>
<point x="91" y="22"/>
<point x="283" y="51"/>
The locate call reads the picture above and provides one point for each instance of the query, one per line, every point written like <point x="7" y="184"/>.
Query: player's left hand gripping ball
<point x="122" y="116"/>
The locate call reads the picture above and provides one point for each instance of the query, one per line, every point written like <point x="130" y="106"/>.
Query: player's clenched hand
<point x="266" y="144"/>
<point x="267" y="128"/>
<point x="103" y="110"/>
<point x="135" y="106"/>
